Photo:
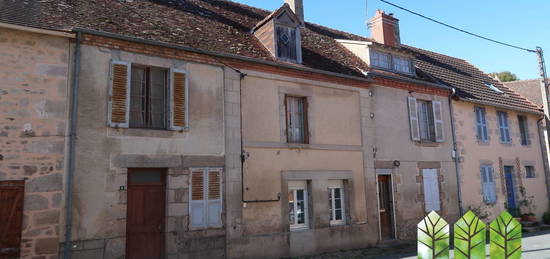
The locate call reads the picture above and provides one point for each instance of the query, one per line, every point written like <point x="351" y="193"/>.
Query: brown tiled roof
<point x="528" y="88"/>
<point x="225" y="27"/>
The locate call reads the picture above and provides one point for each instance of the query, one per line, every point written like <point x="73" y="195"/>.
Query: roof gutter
<point x="219" y="54"/>
<point x="500" y="106"/>
<point x="36" y="30"/>
<point x="410" y="80"/>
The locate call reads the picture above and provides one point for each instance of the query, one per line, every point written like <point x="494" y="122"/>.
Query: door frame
<point x="385" y="171"/>
<point x="164" y="184"/>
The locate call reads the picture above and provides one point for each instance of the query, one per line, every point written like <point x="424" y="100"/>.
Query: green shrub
<point x="546" y="218"/>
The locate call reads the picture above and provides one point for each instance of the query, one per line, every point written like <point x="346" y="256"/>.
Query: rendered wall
<point x="104" y="154"/>
<point x="474" y="153"/>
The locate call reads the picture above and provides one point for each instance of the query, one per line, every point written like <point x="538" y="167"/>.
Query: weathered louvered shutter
<point x="488" y="184"/>
<point x="197" y="208"/>
<point x="292" y="43"/>
<point x="214" y="199"/>
<point x="119" y="94"/>
<point x="431" y="190"/>
<point x="178" y="100"/>
<point x="438" y="121"/>
<point x="413" y="118"/>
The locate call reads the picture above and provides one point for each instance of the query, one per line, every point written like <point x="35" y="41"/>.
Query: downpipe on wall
<point x="455" y="153"/>
<point x="71" y="154"/>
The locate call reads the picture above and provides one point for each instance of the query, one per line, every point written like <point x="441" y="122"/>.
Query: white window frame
<point x="293" y="225"/>
<point x="333" y="185"/>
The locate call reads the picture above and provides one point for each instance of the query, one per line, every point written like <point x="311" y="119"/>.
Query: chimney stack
<point x="385" y="29"/>
<point x="297" y="7"/>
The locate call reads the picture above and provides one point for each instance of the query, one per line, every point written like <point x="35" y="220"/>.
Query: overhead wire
<point x="458" y="29"/>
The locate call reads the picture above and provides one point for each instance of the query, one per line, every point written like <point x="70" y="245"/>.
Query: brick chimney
<point x="297" y="7"/>
<point x="385" y="29"/>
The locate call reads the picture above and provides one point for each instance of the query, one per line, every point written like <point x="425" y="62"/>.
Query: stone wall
<point x="33" y="119"/>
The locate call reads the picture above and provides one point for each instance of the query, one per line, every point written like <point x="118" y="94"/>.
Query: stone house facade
<point x="33" y="113"/>
<point x="211" y="129"/>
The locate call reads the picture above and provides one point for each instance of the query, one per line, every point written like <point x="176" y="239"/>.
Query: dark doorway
<point x="385" y="199"/>
<point x="510" y="191"/>
<point x="11" y="217"/>
<point x="145" y="213"/>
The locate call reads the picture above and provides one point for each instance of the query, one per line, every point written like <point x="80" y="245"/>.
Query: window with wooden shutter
<point x="503" y="127"/>
<point x="178" y="107"/>
<point x="413" y="119"/>
<point x="206" y="198"/>
<point x="431" y="190"/>
<point x="119" y="94"/>
<point x="481" y="125"/>
<point x="286" y="40"/>
<point x="488" y="184"/>
<point x="438" y="121"/>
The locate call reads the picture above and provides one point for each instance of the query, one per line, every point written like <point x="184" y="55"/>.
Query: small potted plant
<point x="527" y="206"/>
<point x="529" y="217"/>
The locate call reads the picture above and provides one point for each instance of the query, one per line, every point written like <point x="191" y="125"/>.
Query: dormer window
<point x="286" y="43"/>
<point x="279" y="32"/>
<point x="380" y="59"/>
<point x="391" y="62"/>
<point x="403" y="65"/>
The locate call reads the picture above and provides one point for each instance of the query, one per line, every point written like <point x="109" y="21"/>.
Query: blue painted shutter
<point x="488" y="184"/>
<point x="431" y="190"/>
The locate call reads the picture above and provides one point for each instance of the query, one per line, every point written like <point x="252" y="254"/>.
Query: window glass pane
<point x="338" y="214"/>
<point x="296" y="119"/>
<point x="379" y="59"/>
<point x="137" y="97"/>
<point x="291" y="206"/>
<point x="402" y="64"/>
<point x="425" y="120"/>
<point x="300" y="204"/>
<point x="144" y="177"/>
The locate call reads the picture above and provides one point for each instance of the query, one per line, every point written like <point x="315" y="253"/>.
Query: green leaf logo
<point x="469" y="237"/>
<point x="433" y="237"/>
<point x="505" y="237"/>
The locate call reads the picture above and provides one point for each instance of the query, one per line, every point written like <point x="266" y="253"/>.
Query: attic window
<point x="492" y="87"/>
<point x="287" y="48"/>
<point x="387" y="61"/>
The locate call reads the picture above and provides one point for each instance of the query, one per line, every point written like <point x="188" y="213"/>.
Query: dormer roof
<point x="292" y="17"/>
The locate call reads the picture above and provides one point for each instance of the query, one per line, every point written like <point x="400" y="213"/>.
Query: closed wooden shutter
<point x="197" y="208"/>
<point x="178" y="100"/>
<point x="413" y="119"/>
<point x="431" y="190"/>
<point x="438" y="121"/>
<point x="119" y="94"/>
<point x="11" y="217"/>
<point x="214" y="199"/>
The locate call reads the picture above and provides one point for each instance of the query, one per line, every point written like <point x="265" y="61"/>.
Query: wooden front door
<point x="11" y="217"/>
<point x="385" y="199"/>
<point x="145" y="214"/>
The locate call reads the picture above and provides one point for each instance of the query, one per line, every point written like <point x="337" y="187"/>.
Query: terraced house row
<point x="212" y="129"/>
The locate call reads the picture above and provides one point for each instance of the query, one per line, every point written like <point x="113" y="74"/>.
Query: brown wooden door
<point x="11" y="217"/>
<point x="145" y="214"/>
<point x="386" y="206"/>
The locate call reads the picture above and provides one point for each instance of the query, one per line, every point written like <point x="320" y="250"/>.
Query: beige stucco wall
<point x="335" y="149"/>
<point x="33" y="113"/>
<point x="473" y="154"/>
<point x="388" y="136"/>
<point x="104" y="154"/>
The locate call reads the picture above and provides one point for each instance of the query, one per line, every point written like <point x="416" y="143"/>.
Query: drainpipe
<point x="455" y="153"/>
<point x="71" y="154"/>
<point x="542" y="142"/>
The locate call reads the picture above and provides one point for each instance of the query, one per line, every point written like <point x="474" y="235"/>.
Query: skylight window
<point x="492" y="87"/>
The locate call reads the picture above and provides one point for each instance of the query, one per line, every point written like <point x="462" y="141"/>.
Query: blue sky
<point x="523" y="23"/>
